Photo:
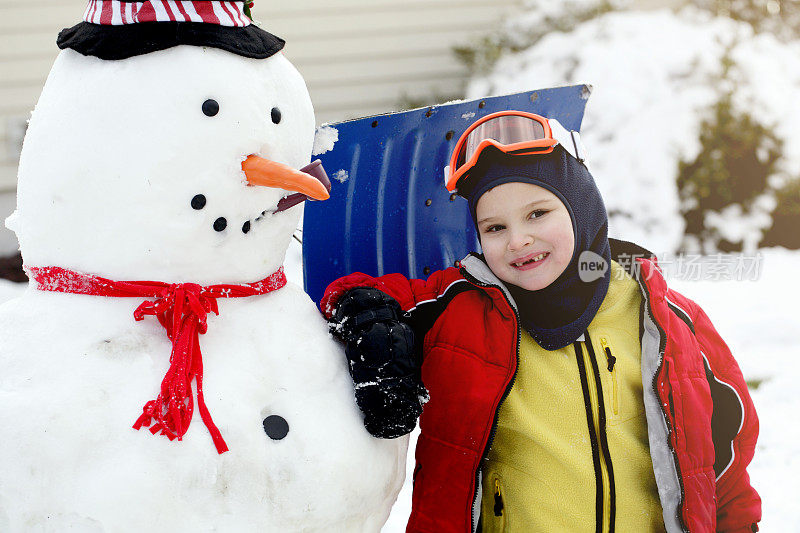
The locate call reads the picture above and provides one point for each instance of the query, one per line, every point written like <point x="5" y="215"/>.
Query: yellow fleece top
<point x="541" y="472"/>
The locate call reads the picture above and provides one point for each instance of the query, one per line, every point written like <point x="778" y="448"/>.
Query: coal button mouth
<point x="276" y="427"/>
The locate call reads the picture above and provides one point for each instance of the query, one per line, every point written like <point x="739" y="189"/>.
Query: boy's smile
<point x="530" y="261"/>
<point x="526" y="234"/>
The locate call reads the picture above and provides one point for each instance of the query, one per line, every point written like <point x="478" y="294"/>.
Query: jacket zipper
<point x="591" y="424"/>
<point x="506" y="392"/>
<point x="662" y="341"/>
<point x="613" y="370"/>
<point x="596" y="417"/>
<point x="669" y="396"/>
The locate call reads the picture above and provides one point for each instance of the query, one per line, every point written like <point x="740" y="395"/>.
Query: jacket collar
<point x="475" y="265"/>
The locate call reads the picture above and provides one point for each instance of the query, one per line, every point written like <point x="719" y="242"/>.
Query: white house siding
<point x="359" y="57"/>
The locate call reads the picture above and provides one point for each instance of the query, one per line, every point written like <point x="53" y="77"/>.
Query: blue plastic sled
<point x="389" y="210"/>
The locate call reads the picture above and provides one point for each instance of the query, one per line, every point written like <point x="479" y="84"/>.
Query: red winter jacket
<point x="701" y="421"/>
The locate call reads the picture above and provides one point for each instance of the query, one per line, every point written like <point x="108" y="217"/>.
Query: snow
<point x="341" y="175"/>
<point x="325" y="139"/>
<point x="654" y="75"/>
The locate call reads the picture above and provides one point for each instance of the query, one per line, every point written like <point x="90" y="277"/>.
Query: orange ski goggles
<point x="511" y="132"/>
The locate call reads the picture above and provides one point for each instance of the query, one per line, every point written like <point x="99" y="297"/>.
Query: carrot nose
<point x="260" y="171"/>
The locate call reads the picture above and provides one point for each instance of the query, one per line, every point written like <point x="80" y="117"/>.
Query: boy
<point x="569" y="388"/>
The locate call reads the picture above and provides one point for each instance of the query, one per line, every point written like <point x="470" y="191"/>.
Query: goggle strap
<point x="580" y="149"/>
<point x="569" y="140"/>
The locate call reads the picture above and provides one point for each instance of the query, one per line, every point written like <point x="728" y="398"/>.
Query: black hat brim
<point x="129" y="40"/>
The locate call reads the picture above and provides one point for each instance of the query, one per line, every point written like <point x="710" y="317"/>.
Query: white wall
<point x="360" y="56"/>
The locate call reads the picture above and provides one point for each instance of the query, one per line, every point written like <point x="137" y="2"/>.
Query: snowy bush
<point x="724" y="190"/>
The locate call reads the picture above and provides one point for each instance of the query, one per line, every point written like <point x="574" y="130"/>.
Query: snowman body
<point x="116" y="157"/>
<point x="70" y="393"/>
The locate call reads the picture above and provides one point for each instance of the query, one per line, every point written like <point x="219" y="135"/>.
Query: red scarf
<point x="182" y="309"/>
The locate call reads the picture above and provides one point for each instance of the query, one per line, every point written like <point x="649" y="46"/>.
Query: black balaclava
<point x="558" y="314"/>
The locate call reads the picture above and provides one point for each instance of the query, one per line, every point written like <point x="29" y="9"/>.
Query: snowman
<point x="160" y="374"/>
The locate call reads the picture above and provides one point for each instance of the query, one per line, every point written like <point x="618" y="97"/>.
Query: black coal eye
<point x="276" y="115"/>
<point x="198" y="201"/>
<point x="210" y="107"/>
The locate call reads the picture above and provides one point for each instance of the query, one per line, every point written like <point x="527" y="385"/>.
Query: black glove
<point x="382" y="358"/>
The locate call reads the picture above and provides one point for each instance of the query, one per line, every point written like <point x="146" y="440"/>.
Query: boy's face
<point x="526" y="234"/>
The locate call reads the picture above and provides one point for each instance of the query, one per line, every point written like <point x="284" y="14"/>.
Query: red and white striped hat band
<point x="116" y="13"/>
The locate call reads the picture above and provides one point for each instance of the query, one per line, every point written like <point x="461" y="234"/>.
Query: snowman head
<point x="133" y="168"/>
